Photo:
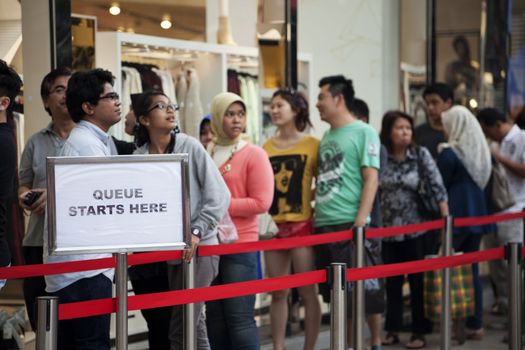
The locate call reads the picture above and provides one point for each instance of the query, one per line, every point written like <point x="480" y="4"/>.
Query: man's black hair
<point x="85" y="87"/>
<point x="338" y="84"/>
<point x="10" y="85"/>
<point x="443" y="90"/>
<point x="49" y="80"/>
<point x="490" y="116"/>
<point x="360" y="109"/>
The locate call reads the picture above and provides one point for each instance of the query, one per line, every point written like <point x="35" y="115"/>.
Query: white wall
<point x="36" y="61"/>
<point x="243" y="20"/>
<point x="357" y="38"/>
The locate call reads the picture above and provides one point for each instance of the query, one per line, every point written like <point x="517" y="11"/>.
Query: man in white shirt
<point x="510" y="152"/>
<point x="94" y="106"/>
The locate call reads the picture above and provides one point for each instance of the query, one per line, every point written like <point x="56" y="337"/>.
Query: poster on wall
<point x="458" y="64"/>
<point x="117" y="204"/>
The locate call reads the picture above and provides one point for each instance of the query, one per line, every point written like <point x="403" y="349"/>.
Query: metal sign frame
<point x="179" y="159"/>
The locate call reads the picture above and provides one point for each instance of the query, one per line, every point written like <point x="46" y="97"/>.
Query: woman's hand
<point x="189" y="253"/>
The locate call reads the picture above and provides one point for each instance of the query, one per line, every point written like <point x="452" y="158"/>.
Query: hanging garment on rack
<point x="253" y="106"/>
<point x="193" y="109"/>
<point x="181" y="90"/>
<point x="131" y="84"/>
<point x="250" y="95"/>
<point x="167" y="83"/>
<point x="233" y="82"/>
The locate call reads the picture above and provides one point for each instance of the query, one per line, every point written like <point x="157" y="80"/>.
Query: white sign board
<point x="117" y="204"/>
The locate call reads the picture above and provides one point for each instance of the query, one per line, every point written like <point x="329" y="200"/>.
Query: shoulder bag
<point x="427" y="205"/>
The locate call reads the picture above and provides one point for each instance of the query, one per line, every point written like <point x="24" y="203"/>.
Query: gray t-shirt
<point x="32" y="173"/>
<point x="426" y="136"/>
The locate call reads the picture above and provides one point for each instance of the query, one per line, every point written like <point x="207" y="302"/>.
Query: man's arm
<point x="516" y="168"/>
<point x="370" y="183"/>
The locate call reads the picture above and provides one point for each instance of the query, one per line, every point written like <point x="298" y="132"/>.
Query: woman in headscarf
<point x="465" y="165"/>
<point x="156" y="134"/>
<point x="248" y="174"/>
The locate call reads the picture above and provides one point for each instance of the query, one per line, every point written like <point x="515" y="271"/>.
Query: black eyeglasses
<point x="164" y="107"/>
<point x="113" y="96"/>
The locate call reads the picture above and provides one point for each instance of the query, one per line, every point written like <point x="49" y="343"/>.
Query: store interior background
<point x="380" y="44"/>
<point x="367" y="40"/>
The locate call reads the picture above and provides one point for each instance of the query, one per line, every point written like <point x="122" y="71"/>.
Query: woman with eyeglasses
<point x="209" y="201"/>
<point x="293" y="156"/>
<point x="248" y="175"/>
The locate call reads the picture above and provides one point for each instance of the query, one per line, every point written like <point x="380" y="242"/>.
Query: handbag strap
<point x="419" y="162"/>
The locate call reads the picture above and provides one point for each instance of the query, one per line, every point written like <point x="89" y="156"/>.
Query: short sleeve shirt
<point x="85" y="139"/>
<point x="513" y="147"/>
<point x="343" y="152"/>
<point x="32" y="173"/>
<point x="293" y="170"/>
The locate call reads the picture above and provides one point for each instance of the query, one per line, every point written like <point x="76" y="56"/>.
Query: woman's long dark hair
<point x="299" y="105"/>
<point x="387" y="124"/>
<point x="140" y="107"/>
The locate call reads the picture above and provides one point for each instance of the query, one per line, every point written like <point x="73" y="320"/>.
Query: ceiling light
<point x="473" y="103"/>
<point x="114" y="9"/>
<point x="166" y="22"/>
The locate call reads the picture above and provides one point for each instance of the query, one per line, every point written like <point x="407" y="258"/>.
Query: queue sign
<point x="117" y="204"/>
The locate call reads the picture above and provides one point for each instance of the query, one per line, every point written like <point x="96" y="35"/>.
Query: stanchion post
<point x="513" y="256"/>
<point x="121" y="281"/>
<point x="445" y="287"/>
<point x="523" y="280"/>
<point x="189" y="309"/>
<point x="338" y="326"/>
<point x="47" y="323"/>
<point x="358" y="290"/>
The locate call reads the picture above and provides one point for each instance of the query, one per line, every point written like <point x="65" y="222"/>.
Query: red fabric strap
<point x="179" y="297"/>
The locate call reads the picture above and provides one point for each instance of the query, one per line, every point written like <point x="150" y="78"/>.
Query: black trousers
<point x="396" y="252"/>
<point x="157" y="319"/>
<point x="33" y="286"/>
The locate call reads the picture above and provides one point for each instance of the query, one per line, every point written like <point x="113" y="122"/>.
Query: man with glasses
<point x="32" y="177"/>
<point x="95" y="107"/>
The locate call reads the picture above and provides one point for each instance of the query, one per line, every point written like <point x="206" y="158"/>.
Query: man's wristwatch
<point x="196" y="232"/>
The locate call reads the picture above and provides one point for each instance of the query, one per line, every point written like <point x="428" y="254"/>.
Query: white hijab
<point x="467" y="140"/>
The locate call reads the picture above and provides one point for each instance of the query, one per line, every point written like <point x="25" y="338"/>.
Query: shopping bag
<point x="461" y="293"/>
<point x="226" y="230"/>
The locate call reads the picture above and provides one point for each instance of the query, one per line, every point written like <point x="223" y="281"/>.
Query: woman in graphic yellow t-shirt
<point x="293" y="156"/>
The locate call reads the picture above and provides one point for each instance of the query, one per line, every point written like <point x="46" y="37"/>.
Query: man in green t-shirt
<point x="346" y="187"/>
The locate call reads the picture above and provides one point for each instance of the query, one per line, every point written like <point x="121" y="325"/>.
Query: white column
<point x="36" y="46"/>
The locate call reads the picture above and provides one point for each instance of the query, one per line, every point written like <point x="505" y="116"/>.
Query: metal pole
<point x="513" y="256"/>
<point x="189" y="309"/>
<point x="338" y="325"/>
<point x="358" y="291"/>
<point x="47" y="323"/>
<point x="121" y="281"/>
<point x="445" y="287"/>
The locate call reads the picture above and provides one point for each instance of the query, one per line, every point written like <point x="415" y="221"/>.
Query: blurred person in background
<point x="248" y="174"/>
<point x="465" y="166"/>
<point x="293" y="156"/>
<point x="406" y="165"/>
<point x="509" y="150"/>
<point x="32" y="177"/>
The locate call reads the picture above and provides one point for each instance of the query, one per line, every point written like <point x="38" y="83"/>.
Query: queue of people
<point x="352" y="177"/>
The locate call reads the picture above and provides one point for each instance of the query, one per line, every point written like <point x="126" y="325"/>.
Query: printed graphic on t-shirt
<point x="288" y="172"/>
<point x="331" y="167"/>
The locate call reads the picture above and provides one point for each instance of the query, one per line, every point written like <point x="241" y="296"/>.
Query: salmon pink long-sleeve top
<point x="249" y="176"/>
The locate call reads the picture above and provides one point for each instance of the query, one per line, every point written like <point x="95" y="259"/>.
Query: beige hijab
<point x="219" y="106"/>
<point x="467" y="140"/>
